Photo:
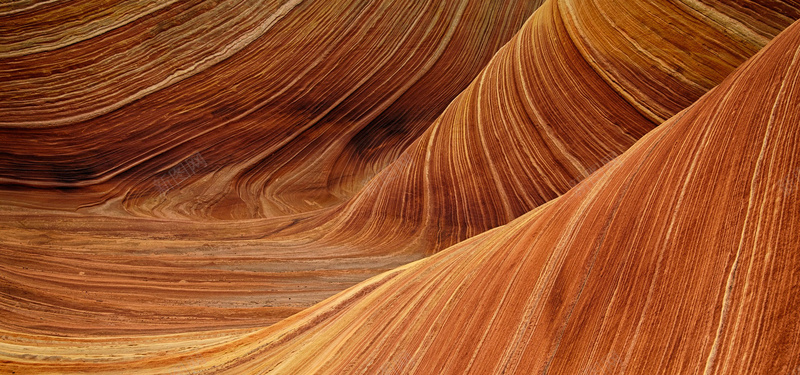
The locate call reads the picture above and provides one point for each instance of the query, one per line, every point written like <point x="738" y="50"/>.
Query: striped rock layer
<point x="293" y="105"/>
<point x="286" y="108"/>
<point x="679" y="255"/>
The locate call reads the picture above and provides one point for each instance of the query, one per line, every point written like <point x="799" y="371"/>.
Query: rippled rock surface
<point x="379" y="187"/>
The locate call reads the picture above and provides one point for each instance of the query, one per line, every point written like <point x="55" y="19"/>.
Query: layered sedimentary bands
<point x="151" y="159"/>
<point x="380" y="187"/>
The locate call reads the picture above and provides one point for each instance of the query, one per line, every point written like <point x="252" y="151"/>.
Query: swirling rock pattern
<point x="283" y="212"/>
<point x="570" y="92"/>
<point x="291" y="107"/>
<point x="130" y="90"/>
<point x="679" y="256"/>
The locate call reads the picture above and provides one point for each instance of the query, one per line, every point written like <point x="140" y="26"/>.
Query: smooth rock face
<point x="240" y="187"/>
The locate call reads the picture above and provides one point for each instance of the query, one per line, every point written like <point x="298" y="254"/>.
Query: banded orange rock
<point x="679" y="256"/>
<point x="139" y="139"/>
<point x="246" y="187"/>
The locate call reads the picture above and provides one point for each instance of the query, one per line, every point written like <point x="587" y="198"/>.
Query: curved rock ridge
<point x="292" y="104"/>
<point x="119" y="108"/>
<point x="571" y="91"/>
<point x="124" y="206"/>
<point x="679" y="256"/>
<point x="539" y="118"/>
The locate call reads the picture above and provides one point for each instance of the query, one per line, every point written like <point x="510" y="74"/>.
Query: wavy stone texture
<point x="610" y="277"/>
<point x="321" y="144"/>
<point x="300" y="116"/>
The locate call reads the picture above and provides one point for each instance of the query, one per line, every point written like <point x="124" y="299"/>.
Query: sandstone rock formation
<point x="179" y="209"/>
<point x="286" y="109"/>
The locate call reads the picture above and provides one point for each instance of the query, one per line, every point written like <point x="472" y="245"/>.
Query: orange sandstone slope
<point x="680" y="256"/>
<point x="569" y="92"/>
<point x="577" y="86"/>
